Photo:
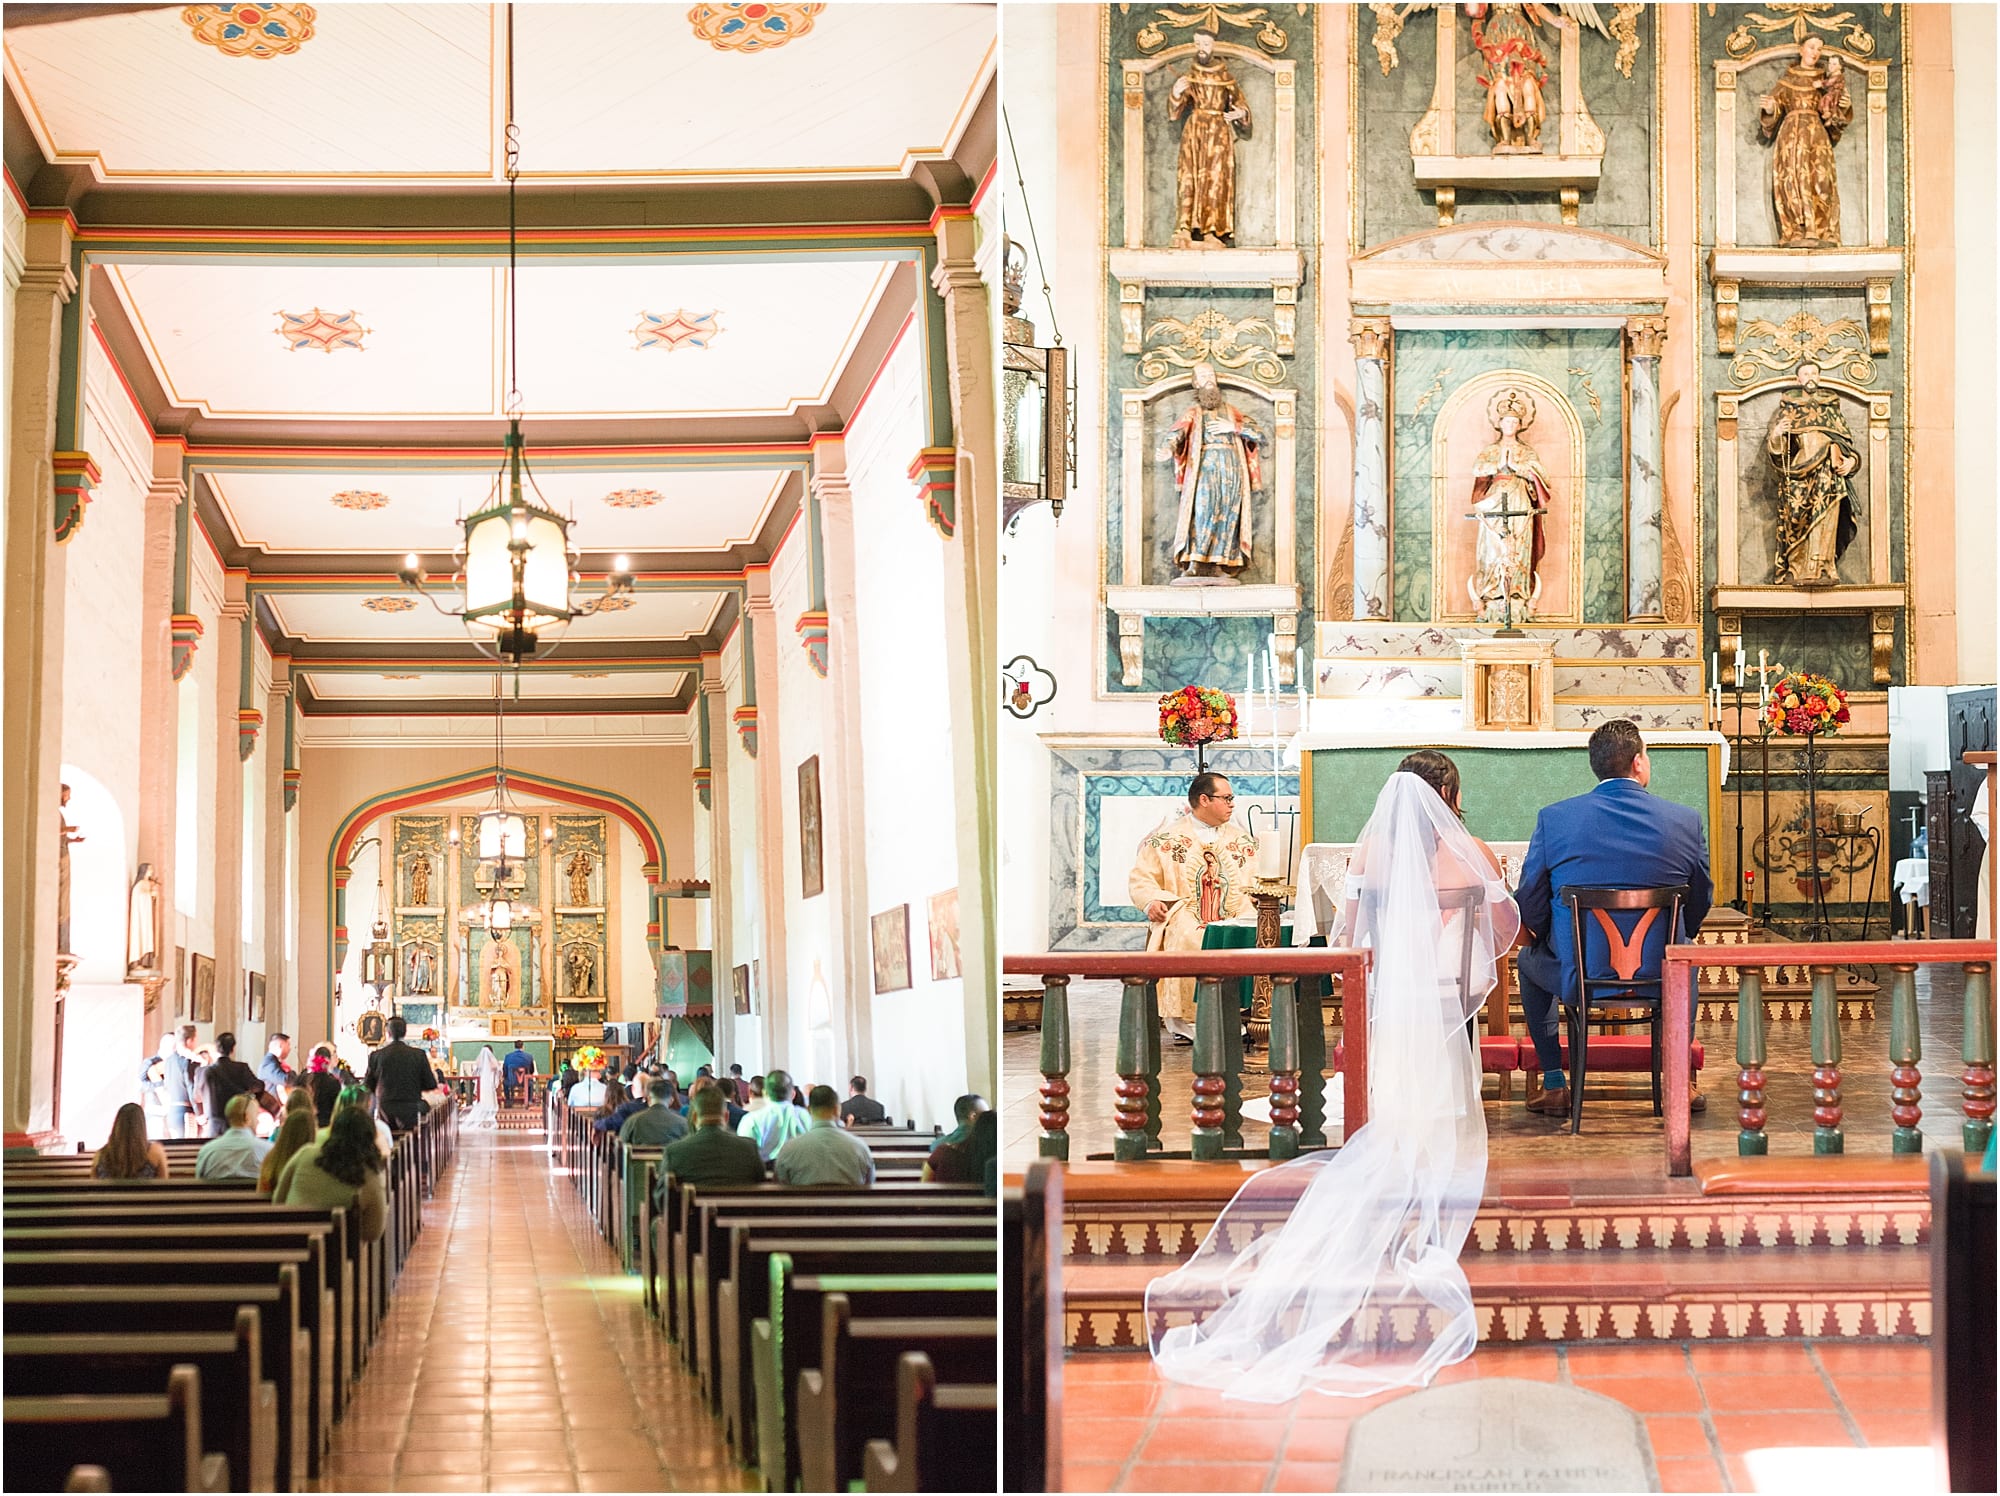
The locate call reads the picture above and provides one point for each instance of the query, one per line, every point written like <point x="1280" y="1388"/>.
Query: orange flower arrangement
<point x="1806" y="705"/>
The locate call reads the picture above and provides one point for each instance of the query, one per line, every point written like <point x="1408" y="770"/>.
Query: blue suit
<point x="1617" y="836"/>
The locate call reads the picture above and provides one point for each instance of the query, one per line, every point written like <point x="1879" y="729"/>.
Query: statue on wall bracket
<point x="1215" y="107"/>
<point x="1804" y="115"/>
<point x="1515" y="80"/>
<point x="1813" y="453"/>
<point x="1510" y="499"/>
<point x="1215" y="451"/>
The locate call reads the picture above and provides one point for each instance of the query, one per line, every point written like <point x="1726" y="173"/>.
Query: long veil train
<point x="1338" y="1272"/>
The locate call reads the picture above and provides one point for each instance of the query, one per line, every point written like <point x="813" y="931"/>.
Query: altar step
<point x="1600" y="1255"/>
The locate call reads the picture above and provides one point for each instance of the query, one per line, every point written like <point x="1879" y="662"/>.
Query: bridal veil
<point x="1338" y="1272"/>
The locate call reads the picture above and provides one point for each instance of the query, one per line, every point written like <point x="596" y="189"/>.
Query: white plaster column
<point x="228" y="868"/>
<point x="972" y="632"/>
<point x="844" y="812"/>
<point x="280" y="1002"/>
<point x="159" y="703"/>
<point x="762" y="665"/>
<point x="33" y="709"/>
<point x="1645" y="490"/>
<point x="712" y="701"/>
<point x="1372" y="591"/>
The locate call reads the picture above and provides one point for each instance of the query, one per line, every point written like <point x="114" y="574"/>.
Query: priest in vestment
<point x="1194" y="870"/>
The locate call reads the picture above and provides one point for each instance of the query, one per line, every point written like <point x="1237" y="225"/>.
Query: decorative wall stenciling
<point x="1766" y="347"/>
<point x="679" y="328"/>
<point x="633" y="498"/>
<point x="260" y="31"/>
<point x="1209" y="337"/>
<point x="389" y="604"/>
<point x="321" y="331"/>
<point x="757" y="27"/>
<point x="360" y="500"/>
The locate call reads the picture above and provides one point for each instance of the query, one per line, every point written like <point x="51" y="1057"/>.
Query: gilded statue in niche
<point x="1804" y="115"/>
<point x="1515" y="80"/>
<point x="1215" y="107"/>
<point x="1510" y="497"/>
<point x="420" y="881"/>
<point x="1813" y="454"/>
<point x="580" y="968"/>
<point x="578" y="869"/>
<point x="1215" y="452"/>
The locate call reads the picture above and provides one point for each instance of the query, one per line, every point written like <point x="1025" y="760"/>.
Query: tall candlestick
<point x="1715" y="667"/>
<point x="1248" y="724"/>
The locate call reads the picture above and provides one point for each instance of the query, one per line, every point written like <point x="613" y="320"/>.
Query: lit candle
<point x="1271" y="855"/>
<point x="1739" y="667"/>
<point x="1715" y="696"/>
<point x="1715" y="667"/>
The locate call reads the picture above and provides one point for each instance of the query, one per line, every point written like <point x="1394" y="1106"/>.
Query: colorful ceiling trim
<point x="322" y="331"/>
<point x="934" y="471"/>
<point x="389" y="604"/>
<point x="633" y="498"/>
<point x="679" y="328"/>
<point x="812" y="632"/>
<point x="187" y="636"/>
<point x="745" y="718"/>
<point x="614" y="604"/>
<point x="248" y="721"/>
<point x="76" y="475"/>
<point x="260" y="31"/>
<point x="360" y="500"/>
<point x="755" y="27"/>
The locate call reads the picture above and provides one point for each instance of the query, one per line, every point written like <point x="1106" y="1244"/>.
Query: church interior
<point x="1457" y="380"/>
<point x="496" y="549"/>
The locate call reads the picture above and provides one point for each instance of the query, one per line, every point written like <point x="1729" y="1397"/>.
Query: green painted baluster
<point x="1132" y="1084"/>
<point x="1153" y="1144"/>
<point x="1826" y="1063"/>
<point x="1312" y="1062"/>
<point x="1055" y="1068"/>
<point x="1211" y="1059"/>
<point x="1231" y="1020"/>
<point x="1905" y="1050"/>
<point x="1750" y="1138"/>
<point x="1978" y="1055"/>
<point x="1284" y="1067"/>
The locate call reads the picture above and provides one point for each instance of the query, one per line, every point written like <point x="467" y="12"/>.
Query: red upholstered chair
<point x="1620" y="942"/>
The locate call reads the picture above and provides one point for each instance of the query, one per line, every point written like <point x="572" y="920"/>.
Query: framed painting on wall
<point x="253" y="996"/>
<point x="944" y="936"/>
<point x="812" y="873"/>
<point x="891" y="931"/>
<point x="201" y="988"/>
<point x="740" y="979"/>
<point x="181" y="982"/>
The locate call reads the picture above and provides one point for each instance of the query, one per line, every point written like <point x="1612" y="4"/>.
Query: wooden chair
<point x="1630" y="985"/>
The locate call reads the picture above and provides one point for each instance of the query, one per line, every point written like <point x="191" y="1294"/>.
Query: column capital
<point x="168" y="484"/>
<point x="1370" y="336"/>
<point x="710" y="681"/>
<point x="757" y="592"/>
<point x="45" y="257"/>
<point x="1645" y="336"/>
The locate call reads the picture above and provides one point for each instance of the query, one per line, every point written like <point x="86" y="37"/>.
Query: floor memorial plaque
<point x="1500" y="1435"/>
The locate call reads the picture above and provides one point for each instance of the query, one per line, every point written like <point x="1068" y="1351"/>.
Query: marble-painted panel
<point x="1193" y="652"/>
<point x="1392" y="641"/>
<point x="1632" y="680"/>
<point x="1389" y="678"/>
<point x="1647" y="716"/>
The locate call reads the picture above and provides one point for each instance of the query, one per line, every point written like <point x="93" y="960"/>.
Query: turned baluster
<point x="1055" y="1068"/>
<point x="1827" y="1136"/>
<point x="1751" y="1140"/>
<point x="1978" y="1055"/>
<point x="1312" y="1062"/>
<point x="1230" y="1019"/>
<point x="1905" y="1050"/>
<point x="1210" y="1061"/>
<point x="1135" y="1082"/>
<point x="1153" y="1144"/>
<point x="1284" y="1067"/>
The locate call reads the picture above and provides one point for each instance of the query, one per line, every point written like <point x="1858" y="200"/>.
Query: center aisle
<point x="517" y="1356"/>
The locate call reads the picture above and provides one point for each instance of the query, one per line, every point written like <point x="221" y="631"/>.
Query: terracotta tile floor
<point x="517" y="1356"/>
<point x="1706" y="1408"/>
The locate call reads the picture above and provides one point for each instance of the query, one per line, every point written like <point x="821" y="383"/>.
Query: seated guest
<point x="860" y="1109"/>
<point x="344" y="1170"/>
<point x="357" y="1096"/>
<point x="516" y="1072"/>
<point x="965" y="1109"/>
<point x="300" y="1099"/>
<point x="711" y="1154"/>
<point x="239" y="1152"/>
<point x="565" y="1078"/>
<point x="965" y="1163"/>
<point x="778" y="1121"/>
<point x="754" y="1101"/>
<point x="228" y="1076"/>
<point x="656" y="1123"/>
<point x="739" y="1085"/>
<point x="299" y="1131"/>
<point x="273" y="1070"/>
<point x="589" y="1091"/>
<point x="128" y="1153"/>
<point x="824" y="1153"/>
<point x="731" y="1110"/>
<point x="620" y="1103"/>
<point x="323" y="1082"/>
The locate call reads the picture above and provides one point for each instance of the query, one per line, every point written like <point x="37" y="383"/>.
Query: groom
<point x="1617" y="836"/>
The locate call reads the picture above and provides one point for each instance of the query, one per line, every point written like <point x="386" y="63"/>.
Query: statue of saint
<point x="421" y="971"/>
<point x="1216" y="470"/>
<point x="579" y="869"/>
<point x="1813" y="454"/>
<point x="142" y="925"/>
<point x="499" y="982"/>
<point x="420" y="881"/>
<point x="1508" y="475"/>
<point x="1806" y="112"/>
<point x="580" y="963"/>
<point x="69" y="834"/>
<point x="1215" y="106"/>
<point x="1517" y="72"/>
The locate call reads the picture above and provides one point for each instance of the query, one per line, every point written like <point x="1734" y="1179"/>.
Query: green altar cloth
<point x="1227" y="937"/>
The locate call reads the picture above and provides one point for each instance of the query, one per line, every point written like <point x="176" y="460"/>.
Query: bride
<point x="1338" y="1272"/>
<point x="486" y="1113"/>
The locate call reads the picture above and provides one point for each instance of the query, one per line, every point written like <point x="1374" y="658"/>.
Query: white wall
<point x="1974" y="392"/>
<point x="194" y="823"/>
<point x="746" y="890"/>
<point x="1918" y="735"/>
<point x="632" y="997"/>
<point x="810" y="1044"/>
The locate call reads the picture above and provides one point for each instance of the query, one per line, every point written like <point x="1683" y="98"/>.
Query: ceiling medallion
<point x="402" y="677"/>
<point x="261" y="31"/>
<point x="324" y="331"/>
<point x="633" y="498"/>
<point x="751" y="28"/>
<point x="389" y="604"/>
<point x="360" y="499"/>
<point x="616" y="604"/>
<point x="590" y="675"/>
<point x="676" y="329"/>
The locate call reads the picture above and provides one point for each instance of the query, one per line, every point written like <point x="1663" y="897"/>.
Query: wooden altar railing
<point x="1902" y="957"/>
<point x="1297" y="1053"/>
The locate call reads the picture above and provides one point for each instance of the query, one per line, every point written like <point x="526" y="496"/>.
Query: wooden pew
<point x="944" y="1435"/>
<point x="284" y="1353"/>
<point x="1962" y="1353"/>
<point x="892" y="1245"/>
<point x="1031" y="1303"/>
<point x="143" y="1441"/>
<point x="165" y="1271"/>
<point x="787" y="1341"/>
<point x="239" y="1406"/>
<point x="850" y="1397"/>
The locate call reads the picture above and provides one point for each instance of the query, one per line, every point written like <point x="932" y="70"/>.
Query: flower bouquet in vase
<point x="1804" y="705"/>
<point x="1194" y="717"/>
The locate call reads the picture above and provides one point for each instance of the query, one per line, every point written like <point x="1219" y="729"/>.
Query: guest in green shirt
<point x="344" y="1170"/>
<point x="965" y="1109"/>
